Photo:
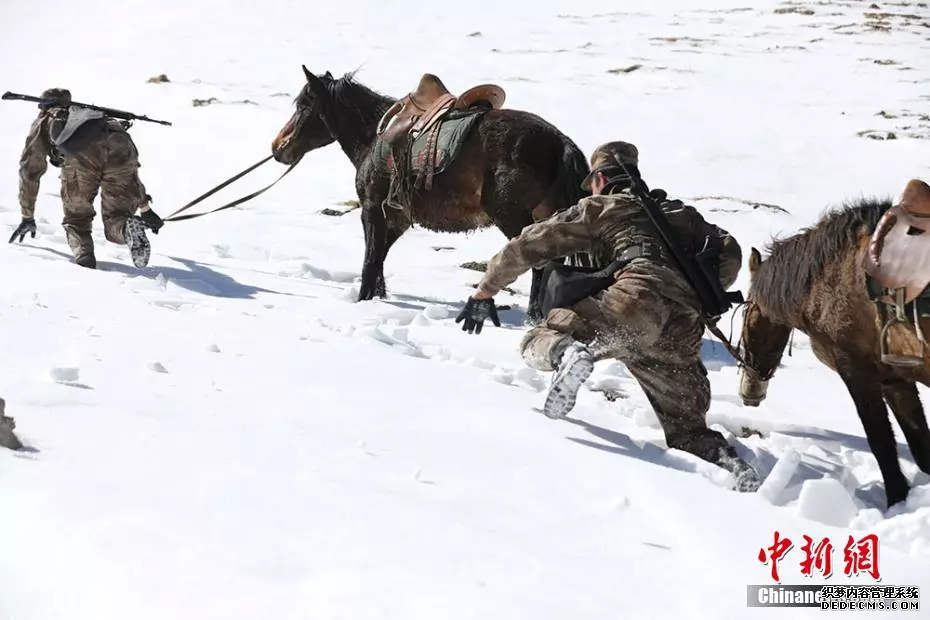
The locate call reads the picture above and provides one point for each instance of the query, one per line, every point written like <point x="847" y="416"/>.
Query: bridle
<point x="742" y="356"/>
<point x="303" y="115"/>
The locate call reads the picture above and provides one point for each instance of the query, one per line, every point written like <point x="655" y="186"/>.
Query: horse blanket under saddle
<point x="454" y="130"/>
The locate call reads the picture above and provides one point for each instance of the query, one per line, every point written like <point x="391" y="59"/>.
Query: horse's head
<point x="763" y="343"/>
<point x="307" y="129"/>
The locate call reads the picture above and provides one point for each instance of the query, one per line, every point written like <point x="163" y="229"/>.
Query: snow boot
<point x="86" y="260"/>
<point x="576" y="366"/>
<point x="747" y="479"/>
<point x="139" y="247"/>
<point x="81" y="244"/>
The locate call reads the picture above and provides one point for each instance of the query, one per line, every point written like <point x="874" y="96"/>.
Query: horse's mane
<point x="349" y="93"/>
<point x="784" y="279"/>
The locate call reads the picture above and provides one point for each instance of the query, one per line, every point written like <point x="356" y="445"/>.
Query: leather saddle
<point x="423" y="108"/>
<point x="899" y="250"/>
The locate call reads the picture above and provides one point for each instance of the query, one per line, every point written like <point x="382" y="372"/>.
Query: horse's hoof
<point x="897" y="496"/>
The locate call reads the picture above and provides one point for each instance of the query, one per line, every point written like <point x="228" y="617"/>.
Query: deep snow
<point x="226" y="434"/>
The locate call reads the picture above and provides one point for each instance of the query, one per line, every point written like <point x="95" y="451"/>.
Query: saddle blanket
<point x="454" y="130"/>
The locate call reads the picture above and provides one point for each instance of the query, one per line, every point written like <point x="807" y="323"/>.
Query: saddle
<point x="423" y="108"/>
<point x="423" y="111"/>
<point x="899" y="250"/>
<point x="898" y="259"/>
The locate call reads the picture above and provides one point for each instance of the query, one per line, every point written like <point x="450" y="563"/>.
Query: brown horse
<point x="515" y="168"/>
<point x="814" y="282"/>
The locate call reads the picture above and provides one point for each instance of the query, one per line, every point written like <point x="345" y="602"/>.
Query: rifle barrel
<point x="108" y="111"/>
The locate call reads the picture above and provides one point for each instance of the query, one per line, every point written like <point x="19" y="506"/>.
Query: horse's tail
<point x="567" y="190"/>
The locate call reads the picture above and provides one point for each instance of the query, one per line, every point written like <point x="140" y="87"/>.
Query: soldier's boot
<point x="82" y="246"/>
<point x="747" y="478"/>
<point x="139" y="248"/>
<point x="573" y="369"/>
<point x="712" y="447"/>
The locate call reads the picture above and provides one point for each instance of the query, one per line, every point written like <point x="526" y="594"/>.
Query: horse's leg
<point x="866" y="392"/>
<point x="397" y="225"/>
<point x="533" y="309"/>
<point x="904" y="401"/>
<point x="375" y="235"/>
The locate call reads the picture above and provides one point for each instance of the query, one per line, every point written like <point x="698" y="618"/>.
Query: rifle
<point x="697" y="269"/>
<point x="129" y="116"/>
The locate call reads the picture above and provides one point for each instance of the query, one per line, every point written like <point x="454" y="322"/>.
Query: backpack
<point x="695" y="232"/>
<point x="73" y="129"/>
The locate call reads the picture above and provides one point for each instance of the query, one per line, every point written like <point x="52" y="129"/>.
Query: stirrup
<point x="898" y="359"/>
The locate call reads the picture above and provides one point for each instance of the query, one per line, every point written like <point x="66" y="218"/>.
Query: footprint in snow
<point x="222" y="251"/>
<point x="156" y="367"/>
<point x="502" y="375"/>
<point x="417" y="475"/>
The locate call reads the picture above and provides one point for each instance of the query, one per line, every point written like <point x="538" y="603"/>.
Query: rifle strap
<point x="175" y="217"/>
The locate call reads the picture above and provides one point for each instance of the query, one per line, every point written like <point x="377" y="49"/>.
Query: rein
<point x="729" y="346"/>
<point x="175" y="217"/>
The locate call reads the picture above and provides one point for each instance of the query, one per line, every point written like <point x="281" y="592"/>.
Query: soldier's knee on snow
<point x="541" y="348"/>
<point x="564" y="320"/>
<point x="111" y="234"/>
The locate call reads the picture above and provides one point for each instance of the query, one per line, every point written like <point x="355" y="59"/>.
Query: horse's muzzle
<point x="751" y="390"/>
<point x="282" y="152"/>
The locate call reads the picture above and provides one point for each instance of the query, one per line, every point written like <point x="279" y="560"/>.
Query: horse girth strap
<point x="176" y="217"/>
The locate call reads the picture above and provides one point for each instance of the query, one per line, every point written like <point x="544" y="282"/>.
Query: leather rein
<point x="176" y="217"/>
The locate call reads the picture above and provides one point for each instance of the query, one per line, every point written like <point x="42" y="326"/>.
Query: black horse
<point x="515" y="168"/>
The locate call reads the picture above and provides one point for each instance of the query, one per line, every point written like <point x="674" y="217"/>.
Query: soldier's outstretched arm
<point x="565" y="233"/>
<point x="32" y="165"/>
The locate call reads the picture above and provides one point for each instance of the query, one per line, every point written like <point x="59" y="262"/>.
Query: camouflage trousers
<point x="658" y="338"/>
<point x="110" y="167"/>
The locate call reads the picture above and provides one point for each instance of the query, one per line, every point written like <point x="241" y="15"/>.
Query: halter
<point x="741" y="359"/>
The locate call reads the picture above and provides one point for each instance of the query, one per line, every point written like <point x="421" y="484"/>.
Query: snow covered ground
<point x="227" y="435"/>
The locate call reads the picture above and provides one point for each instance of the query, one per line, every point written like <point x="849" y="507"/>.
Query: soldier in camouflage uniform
<point x="95" y="153"/>
<point x="649" y="318"/>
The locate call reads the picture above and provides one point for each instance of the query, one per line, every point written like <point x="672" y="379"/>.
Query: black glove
<point x="475" y="312"/>
<point x="151" y="219"/>
<point x="28" y="225"/>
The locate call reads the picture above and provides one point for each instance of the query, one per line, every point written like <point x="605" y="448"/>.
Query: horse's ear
<point x="311" y="77"/>
<point x="755" y="259"/>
